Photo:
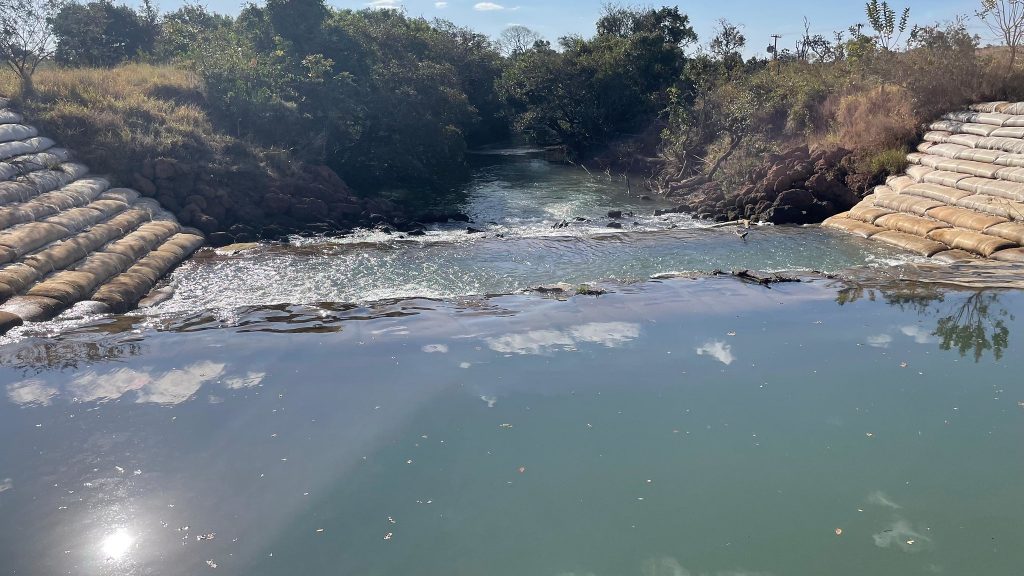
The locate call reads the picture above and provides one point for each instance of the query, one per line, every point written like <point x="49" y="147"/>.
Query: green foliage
<point x="883" y="21"/>
<point x="102" y="34"/>
<point x="598" y="89"/>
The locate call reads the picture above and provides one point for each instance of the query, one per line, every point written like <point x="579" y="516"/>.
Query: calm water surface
<point x="686" y="427"/>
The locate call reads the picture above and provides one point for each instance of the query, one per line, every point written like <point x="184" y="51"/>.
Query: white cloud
<point x="250" y="380"/>
<point x="436" y="348"/>
<point x="919" y="334"/>
<point x="440" y="5"/>
<point x="487" y="7"/>
<point x="718" y="350"/>
<point x="610" y="334"/>
<point x="384" y="4"/>
<point x="879" y="341"/>
<point x="31" y="393"/>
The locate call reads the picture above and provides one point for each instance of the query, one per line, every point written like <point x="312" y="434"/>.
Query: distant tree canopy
<point x="102" y="34"/>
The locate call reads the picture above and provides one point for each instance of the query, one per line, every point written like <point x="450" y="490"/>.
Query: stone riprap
<point x="67" y="237"/>
<point x="962" y="198"/>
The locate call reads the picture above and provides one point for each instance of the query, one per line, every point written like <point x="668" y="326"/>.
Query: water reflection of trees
<point x="971" y="322"/>
<point x="36" y="356"/>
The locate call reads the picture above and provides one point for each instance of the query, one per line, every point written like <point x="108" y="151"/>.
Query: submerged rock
<point x="617" y="225"/>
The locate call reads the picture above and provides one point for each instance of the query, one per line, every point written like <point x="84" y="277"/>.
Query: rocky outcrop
<point x="798" y="186"/>
<point x="962" y="197"/>
<point x="67" y="236"/>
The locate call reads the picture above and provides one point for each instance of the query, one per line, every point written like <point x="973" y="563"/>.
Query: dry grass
<point x="115" y="119"/>
<point x="875" y="119"/>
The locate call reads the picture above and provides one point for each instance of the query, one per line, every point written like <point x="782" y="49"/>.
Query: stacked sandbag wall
<point x="68" y="237"/>
<point x="962" y="198"/>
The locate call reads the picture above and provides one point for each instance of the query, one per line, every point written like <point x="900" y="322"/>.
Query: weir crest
<point x="67" y="237"/>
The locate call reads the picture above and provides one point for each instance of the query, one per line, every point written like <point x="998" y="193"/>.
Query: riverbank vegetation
<point x="392" y="102"/>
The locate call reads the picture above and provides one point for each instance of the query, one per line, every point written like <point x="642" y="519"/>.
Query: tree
<point x="727" y="44"/>
<point x="102" y="34"/>
<point x="882" y="19"/>
<point x="1005" y="18"/>
<point x="26" y="37"/>
<point x="516" y="40"/>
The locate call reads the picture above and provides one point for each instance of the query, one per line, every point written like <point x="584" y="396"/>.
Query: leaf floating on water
<point x="839" y="531"/>
<point x="319" y="530"/>
<point x="903" y="364"/>
<point x="870" y="435"/>
<point x="730" y="333"/>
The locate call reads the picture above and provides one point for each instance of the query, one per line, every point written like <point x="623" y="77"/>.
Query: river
<point x="375" y="406"/>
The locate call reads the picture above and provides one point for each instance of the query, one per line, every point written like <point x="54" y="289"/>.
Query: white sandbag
<point x="10" y="117"/>
<point x="12" y="132"/>
<point x="21" y="165"/>
<point x="30" y="146"/>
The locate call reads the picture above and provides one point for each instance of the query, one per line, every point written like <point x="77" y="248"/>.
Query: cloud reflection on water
<point x="609" y="334"/>
<point x="31" y="393"/>
<point x="718" y="350"/>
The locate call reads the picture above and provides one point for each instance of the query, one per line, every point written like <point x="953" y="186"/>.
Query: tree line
<point x="390" y="100"/>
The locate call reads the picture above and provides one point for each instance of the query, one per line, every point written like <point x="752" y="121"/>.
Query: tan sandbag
<point x="926" y="159"/>
<point x="955" y="257"/>
<point x="30" y="237"/>
<point x="133" y="247"/>
<point x="1000" y="106"/>
<point x="1008" y="132"/>
<point x="1014" y="120"/>
<point x="968" y="167"/>
<point x="1015" y="175"/>
<point x="924" y="147"/>
<point x="998" y="188"/>
<point x="9" y="321"/>
<point x="868" y="213"/>
<point x="906" y="203"/>
<point x="980" y="129"/>
<point x="1008" y="159"/>
<point x="123" y="292"/>
<point x="189" y="242"/>
<point x="911" y="243"/>
<point x="125" y="195"/>
<point x="917" y="225"/>
<point x="147" y="269"/>
<point x="978" y="155"/>
<point x="851" y="226"/>
<point x="1011" y="145"/>
<point x="12" y="132"/>
<point x="32" y="145"/>
<point x="1014" y="108"/>
<point x="963" y="218"/>
<point x="1012" y="231"/>
<point x="33" y="308"/>
<point x="1015" y="255"/>
<point x="39" y="182"/>
<point x="997" y="206"/>
<point x="76" y="219"/>
<point x="970" y="241"/>
<point x="968" y="140"/>
<point x="26" y="163"/>
<point x="6" y="292"/>
<point x="104" y="265"/>
<point x="67" y="291"/>
<point x="917" y="172"/>
<point x="18" y="276"/>
<point x="946" y="126"/>
<point x="937" y="136"/>
<point x="944" y="178"/>
<point x="127" y="221"/>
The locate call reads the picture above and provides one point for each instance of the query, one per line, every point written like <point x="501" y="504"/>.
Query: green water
<point x="686" y="427"/>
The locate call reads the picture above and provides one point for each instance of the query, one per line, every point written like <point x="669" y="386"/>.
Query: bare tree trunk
<point x="1013" y="59"/>
<point x="28" y="89"/>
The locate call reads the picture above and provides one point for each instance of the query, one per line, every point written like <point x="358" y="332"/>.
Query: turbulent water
<point x="516" y="200"/>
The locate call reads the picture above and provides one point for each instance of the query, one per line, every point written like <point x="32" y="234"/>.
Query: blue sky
<point x="554" y="18"/>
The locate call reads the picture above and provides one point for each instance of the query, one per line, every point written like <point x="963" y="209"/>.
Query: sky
<point x="555" y="18"/>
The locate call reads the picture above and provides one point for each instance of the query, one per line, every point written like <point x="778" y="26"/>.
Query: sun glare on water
<point x="117" y="544"/>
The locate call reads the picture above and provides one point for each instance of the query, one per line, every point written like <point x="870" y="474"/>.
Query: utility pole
<point x="775" y="49"/>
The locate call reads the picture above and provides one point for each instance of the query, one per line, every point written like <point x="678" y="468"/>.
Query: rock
<point x="216" y="239"/>
<point x="646" y="198"/>
<point x="144" y="185"/>
<point x="206" y="224"/>
<point x="562" y="224"/>
<point x="275" y="203"/>
<point x="309" y="210"/>
<point x="472" y="230"/>
<point x="417" y="232"/>
<point x="615" y="213"/>
<point x="617" y="225"/>
<point x="458" y="217"/>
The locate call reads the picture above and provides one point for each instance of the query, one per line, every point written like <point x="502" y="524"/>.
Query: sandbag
<point x="1008" y="159"/>
<point x="916" y="172"/>
<point x="1012" y="175"/>
<point x="996" y="206"/>
<point x="968" y="140"/>
<point x="9" y="321"/>
<point x="125" y="195"/>
<point x="1000" y="106"/>
<point x="21" y="165"/>
<point x="937" y="136"/>
<point x="33" y="308"/>
<point x="906" y="203"/>
<point x="1014" y="121"/>
<point x="104" y="265"/>
<point x="963" y="218"/>
<point x="30" y="237"/>
<point x="1015" y="255"/>
<point x="76" y="219"/>
<point x="981" y="129"/>
<point x="998" y="188"/>
<point x="968" y="167"/>
<point x="1012" y="231"/>
<point x="916" y="225"/>
<point x="11" y="132"/>
<point x="868" y="213"/>
<point x="10" y="117"/>
<point x="970" y="241"/>
<point x="944" y="178"/>
<point x="18" y="276"/>
<point x="848" y="225"/>
<point x="911" y="243"/>
<point x="978" y="155"/>
<point x="1012" y="145"/>
<point x="17" y="148"/>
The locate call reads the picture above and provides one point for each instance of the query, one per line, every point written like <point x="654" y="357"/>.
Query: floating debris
<point x="839" y="531"/>
<point x="391" y="520"/>
<point x="389" y="535"/>
<point x="319" y="530"/>
<point x="505" y="426"/>
<point x="211" y="563"/>
<point x="203" y="537"/>
<point x="522" y="469"/>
